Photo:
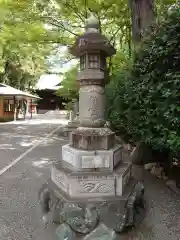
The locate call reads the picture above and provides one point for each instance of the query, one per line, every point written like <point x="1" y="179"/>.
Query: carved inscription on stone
<point x="93" y="99"/>
<point x="101" y="161"/>
<point x="91" y="102"/>
<point x="95" y="161"/>
<point x="87" y="162"/>
<point x="94" y="112"/>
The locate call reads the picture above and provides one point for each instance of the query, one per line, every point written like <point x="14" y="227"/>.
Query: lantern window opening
<point x="93" y="61"/>
<point x="102" y="63"/>
<point x="83" y="62"/>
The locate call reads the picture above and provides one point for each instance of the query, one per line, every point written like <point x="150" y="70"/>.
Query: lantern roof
<point x="92" y="40"/>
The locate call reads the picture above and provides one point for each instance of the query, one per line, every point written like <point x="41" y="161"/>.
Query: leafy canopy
<point x="68" y="19"/>
<point x="69" y="88"/>
<point x="25" y="42"/>
<point x="22" y="43"/>
<point x="146" y="106"/>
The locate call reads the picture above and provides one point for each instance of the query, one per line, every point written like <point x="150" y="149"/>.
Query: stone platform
<point x="91" y="184"/>
<point x="92" y="187"/>
<point x="84" y="214"/>
<point x="83" y="199"/>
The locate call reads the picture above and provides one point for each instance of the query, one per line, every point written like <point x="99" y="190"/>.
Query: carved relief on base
<point x="92" y="186"/>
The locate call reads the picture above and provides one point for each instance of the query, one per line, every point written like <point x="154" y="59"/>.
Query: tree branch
<point x="75" y="9"/>
<point x="106" y="8"/>
<point x="113" y="36"/>
<point x="59" y="24"/>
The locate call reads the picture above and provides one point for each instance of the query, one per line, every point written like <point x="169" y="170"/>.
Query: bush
<point x="116" y="105"/>
<point x="147" y="103"/>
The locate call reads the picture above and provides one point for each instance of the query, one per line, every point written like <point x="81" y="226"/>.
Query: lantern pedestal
<point x="85" y="199"/>
<point x="89" y="187"/>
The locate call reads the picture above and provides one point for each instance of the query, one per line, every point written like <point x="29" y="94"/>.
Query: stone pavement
<point x="19" y="186"/>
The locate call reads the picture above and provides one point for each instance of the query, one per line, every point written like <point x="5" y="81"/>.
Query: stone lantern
<point x="92" y="182"/>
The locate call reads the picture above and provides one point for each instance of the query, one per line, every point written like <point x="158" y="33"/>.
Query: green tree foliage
<point x="25" y="42"/>
<point x="23" y="47"/>
<point x="69" y="88"/>
<point x="147" y="104"/>
<point x="116" y="106"/>
<point x="68" y="17"/>
<point x="67" y="20"/>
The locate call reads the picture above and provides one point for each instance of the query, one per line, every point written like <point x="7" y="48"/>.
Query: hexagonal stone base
<point x="84" y="215"/>
<point x="83" y="159"/>
<point x="91" y="184"/>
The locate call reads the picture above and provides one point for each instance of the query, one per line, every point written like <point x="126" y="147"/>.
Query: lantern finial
<point x="92" y="24"/>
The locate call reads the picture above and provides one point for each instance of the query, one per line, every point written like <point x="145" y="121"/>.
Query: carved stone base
<point x="94" y="159"/>
<point x="84" y="215"/>
<point x="92" y="138"/>
<point x="91" y="184"/>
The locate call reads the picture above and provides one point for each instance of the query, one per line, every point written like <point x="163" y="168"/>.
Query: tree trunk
<point x="142" y="15"/>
